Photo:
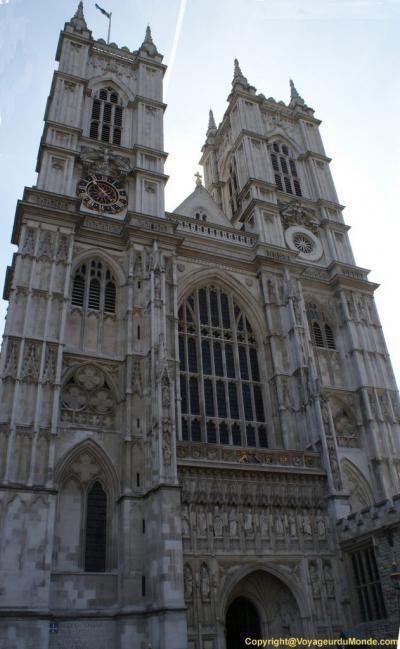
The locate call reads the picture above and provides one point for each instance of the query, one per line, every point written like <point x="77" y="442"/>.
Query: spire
<point x="148" y="46"/>
<point x="295" y="98"/>
<point x="238" y="76"/>
<point x="78" y="20"/>
<point x="211" y="122"/>
<point x="148" y="38"/>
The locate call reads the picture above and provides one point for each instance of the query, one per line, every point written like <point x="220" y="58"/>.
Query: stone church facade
<point x="199" y="423"/>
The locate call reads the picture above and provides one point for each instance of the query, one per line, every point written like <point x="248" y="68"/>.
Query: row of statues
<point x="292" y="523"/>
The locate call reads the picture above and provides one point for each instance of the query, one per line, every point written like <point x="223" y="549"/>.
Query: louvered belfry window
<point x="106" y="117"/>
<point x="285" y="169"/>
<point x="220" y="380"/>
<point x="94" y="287"/>
<point x="321" y="332"/>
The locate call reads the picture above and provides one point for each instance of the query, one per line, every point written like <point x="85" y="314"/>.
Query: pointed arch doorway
<point x="260" y="605"/>
<point x="242" y="621"/>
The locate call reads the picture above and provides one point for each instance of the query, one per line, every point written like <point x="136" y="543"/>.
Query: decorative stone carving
<point x="90" y="377"/>
<point x="165" y="390"/>
<point x="62" y="248"/>
<point x="87" y="399"/>
<point x="46" y="244"/>
<point x="295" y="213"/>
<point x="104" y="161"/>
<point x="50" y="364"/>
<point x="136" y="379"/>
<point x="385" y="406"/>
<point x="28" y="247"/>
<point x="30" y="366"/>
<point x="166" y="440"/>
<point x="11" y="365"/>
<point x="74" y="397"/>
<point x="346" y="433"/>
<point x="337" y="481"/>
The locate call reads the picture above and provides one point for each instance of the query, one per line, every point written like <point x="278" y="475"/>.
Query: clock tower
<point x="89" y="486"/>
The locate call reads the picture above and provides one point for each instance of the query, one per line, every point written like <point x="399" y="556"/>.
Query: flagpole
<point x="109" y="29"/>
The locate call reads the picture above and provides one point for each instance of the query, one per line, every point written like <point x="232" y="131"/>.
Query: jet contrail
<point x="178" y="27"/>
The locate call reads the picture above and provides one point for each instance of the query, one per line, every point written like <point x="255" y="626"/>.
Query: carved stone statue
<point x="218" y="523"/>
<point x="188" y="579"/>
<point x="165" y="391"/>
<point x="185" y="523"/>
<point x="166" y="441"/>
<point x="315" y="582"/>
<point x="307" y="530"/>
<point x="248" y="522"/>
<point x="321" y="527"/>
<point x="329" y="581"/>
<point x="292" y="527"/>
<point x="264" y="524"/>
<point x="233" y="526"/>
<point x="279" y="529"/>
<point x="201" y="522"/>
<point x="204" y="582"/>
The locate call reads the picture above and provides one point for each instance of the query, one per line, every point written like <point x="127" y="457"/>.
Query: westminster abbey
<point x="199" y="424"/>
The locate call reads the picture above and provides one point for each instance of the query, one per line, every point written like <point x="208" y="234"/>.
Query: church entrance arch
<point x="261" y="606"/>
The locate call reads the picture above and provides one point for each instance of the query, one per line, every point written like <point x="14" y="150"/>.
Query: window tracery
<point x="221" y="393"/>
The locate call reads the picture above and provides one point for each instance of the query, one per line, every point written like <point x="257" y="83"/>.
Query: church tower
<point x="199" y="424"/>
<point x="89" y="485"/>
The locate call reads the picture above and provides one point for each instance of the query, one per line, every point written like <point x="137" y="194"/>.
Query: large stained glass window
<point x="221" y="392"/>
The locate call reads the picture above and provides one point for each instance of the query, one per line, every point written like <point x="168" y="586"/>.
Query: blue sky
<point x="342" y="54"/>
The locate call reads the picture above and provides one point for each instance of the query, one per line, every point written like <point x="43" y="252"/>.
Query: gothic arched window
<point x="106" y="117"/>
<point x="96" y="529"/>
<point x="285" y="170"/>
<point x="94" y="288"/>
<point x="221" y="390"/>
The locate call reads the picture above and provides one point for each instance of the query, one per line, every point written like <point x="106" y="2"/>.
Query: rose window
<point x="303" y="243"/>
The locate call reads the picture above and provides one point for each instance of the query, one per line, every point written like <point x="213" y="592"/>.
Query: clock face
<point x="103" y="193"/>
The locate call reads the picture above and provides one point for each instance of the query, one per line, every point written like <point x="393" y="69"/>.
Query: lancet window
<point x="220" y="380"/>
<point x="96" y="529"/>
